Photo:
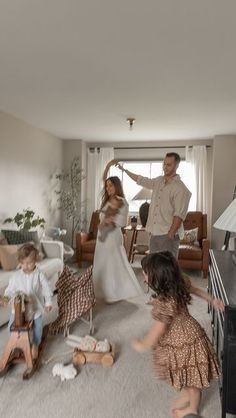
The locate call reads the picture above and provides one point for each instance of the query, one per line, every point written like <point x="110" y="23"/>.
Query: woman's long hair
<point x="118" y="189"/>
<point x="165" y="278"/>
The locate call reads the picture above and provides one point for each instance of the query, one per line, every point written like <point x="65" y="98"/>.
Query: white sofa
<point x="51" y="265"/>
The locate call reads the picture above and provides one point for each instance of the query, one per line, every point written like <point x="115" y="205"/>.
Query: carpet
<point x="128" y="389"/>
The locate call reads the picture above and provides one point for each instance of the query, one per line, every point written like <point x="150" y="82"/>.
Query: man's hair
<point x="175" y="156"/>
<point x="27" y="250"/>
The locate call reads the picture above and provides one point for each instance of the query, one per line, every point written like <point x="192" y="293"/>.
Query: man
<point x="168" y="207"/>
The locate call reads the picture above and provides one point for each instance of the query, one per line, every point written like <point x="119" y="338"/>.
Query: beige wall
<point x="223" y="181"/>
<point x="28" y="159"/>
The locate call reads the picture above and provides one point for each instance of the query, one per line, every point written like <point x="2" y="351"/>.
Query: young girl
<point x="183" y="354"/>
<point x="33" y="283"/>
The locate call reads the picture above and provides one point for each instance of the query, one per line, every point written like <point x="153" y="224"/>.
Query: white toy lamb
<point x="65" y="372"/>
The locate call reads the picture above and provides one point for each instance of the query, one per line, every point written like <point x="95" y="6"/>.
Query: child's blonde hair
<point x="28" y="250"/>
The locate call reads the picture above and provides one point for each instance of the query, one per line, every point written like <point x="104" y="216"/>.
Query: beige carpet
<point x="127" y="389"/>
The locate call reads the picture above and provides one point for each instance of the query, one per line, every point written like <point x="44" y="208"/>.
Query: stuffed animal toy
<point x="102" y="346"/>
<point x="88" y="343"/>
<point x="65" y="372"/>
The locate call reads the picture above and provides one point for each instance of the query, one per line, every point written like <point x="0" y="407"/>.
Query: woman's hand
<point x="138" y="346"/>
<point x="4" y="300"/>
<point x="218" y="304"/>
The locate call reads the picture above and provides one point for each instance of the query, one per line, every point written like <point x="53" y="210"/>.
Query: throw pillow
<point x="9" y="256"/>
<point x="20" y="236"/>
<point x="3" y="241"/>
<point x="190" y="236"/>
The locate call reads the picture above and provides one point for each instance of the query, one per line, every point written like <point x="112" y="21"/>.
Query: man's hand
<point x="48" y="308"/>
<point x="171" y="234"/>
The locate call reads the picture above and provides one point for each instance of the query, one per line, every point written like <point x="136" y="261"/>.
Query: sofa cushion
<point x="50" y="265"/>
<point x="190" y="252"/>
<point x="3" y="241"/>
<point x="190" y="236"/>
<point x="9" y="256"/>
<point x="20" y="236"/>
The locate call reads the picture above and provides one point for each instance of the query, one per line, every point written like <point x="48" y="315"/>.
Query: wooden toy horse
<point x="18" y="348"/>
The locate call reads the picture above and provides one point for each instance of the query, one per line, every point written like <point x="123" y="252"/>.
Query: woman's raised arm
<point x="112" y="162"/>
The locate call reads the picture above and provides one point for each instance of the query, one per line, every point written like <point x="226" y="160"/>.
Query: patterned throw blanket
<point x="75" y="297"/>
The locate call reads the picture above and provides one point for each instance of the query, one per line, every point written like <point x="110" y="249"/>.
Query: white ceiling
<point x="79" y="68"/>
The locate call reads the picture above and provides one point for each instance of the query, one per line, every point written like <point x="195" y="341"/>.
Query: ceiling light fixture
<point x="130" y="121"/>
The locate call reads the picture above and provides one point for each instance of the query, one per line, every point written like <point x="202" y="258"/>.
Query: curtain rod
<point x="177" y="146"/>
<point x="170" y="147"/>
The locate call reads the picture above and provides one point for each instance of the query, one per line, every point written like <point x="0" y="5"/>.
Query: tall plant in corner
<point x="69" y="195"/>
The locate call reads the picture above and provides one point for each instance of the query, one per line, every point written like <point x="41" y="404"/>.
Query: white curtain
<point x="197" y="156"/>
<point x="97" y="161"/>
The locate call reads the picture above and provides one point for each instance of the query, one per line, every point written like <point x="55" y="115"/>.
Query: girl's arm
<point x="151" y="338"/>
<point x="218" y="304"/>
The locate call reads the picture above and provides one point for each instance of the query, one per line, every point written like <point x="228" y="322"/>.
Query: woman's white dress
<point x="113" y="276"/>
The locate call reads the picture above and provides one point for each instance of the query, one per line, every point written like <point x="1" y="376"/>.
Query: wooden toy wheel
<point x="79" y="358"/>
<point x="107" y="360"/>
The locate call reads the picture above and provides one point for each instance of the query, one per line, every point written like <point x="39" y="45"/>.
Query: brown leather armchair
<point x="86" y="242"/>
<point x="195" y="255"/>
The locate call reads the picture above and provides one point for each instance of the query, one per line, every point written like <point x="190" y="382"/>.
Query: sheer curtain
<point x="197" y="156"/>
<point x="97" y="161"/>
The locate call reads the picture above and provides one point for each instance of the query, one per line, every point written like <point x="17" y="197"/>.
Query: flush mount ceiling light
<point x="130" y="121"/>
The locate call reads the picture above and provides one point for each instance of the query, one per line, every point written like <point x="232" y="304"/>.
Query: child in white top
<point x="33" y="283"/>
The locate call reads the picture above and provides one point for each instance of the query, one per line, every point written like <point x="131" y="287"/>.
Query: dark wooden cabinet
<point x="222" y="284"/>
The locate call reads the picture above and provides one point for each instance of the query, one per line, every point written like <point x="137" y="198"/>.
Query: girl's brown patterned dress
<point x="184" y="355"/>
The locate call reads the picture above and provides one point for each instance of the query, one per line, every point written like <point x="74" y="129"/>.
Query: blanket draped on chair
<point x="75" y="297"/>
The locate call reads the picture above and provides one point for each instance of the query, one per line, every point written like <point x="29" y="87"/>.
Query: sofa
<point x="51" y="265"/>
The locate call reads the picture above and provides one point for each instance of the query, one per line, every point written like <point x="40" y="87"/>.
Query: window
<point x="151" y="169"/>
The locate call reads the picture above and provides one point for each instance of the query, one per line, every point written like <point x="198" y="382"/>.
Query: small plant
<point x="26" y="220"/>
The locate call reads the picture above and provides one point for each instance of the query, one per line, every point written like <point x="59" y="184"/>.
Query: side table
<point x="134" y="236"/>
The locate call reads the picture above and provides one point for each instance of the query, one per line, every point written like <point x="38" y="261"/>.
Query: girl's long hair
<point x="165" y="278"/>
<point x="118" y="189"/>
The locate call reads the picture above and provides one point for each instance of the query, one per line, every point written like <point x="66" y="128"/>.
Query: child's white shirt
<point x="34" y="284"/>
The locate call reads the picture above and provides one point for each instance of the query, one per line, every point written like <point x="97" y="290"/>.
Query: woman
<point x="113" y="276"/>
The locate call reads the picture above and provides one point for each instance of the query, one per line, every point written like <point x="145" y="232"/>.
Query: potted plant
<point x="26" y="220"/>
<point x="69" y="195"/>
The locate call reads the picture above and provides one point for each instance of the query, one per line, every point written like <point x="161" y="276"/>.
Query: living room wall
<point x="28" y="159"/>
<point x="223" y="181"/>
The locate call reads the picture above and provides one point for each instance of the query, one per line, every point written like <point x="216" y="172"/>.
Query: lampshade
<point x="143" y="194"/>
<point x="227" y="221"/>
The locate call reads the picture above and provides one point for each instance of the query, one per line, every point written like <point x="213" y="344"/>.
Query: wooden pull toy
<point x="18" y="347"/>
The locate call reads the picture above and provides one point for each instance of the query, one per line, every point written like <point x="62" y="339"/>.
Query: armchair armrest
<point x="83" y="237"/>
<point x="53" y="249"/>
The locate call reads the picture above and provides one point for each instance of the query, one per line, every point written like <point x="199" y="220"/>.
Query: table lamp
<point x="143" y="194"/>
<point x="227" y="221"/>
